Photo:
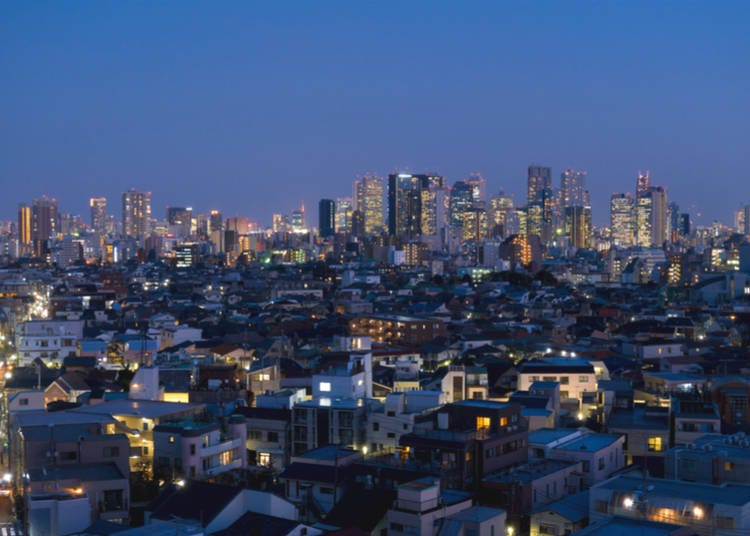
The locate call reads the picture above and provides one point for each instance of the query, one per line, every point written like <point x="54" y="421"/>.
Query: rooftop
<point x="729" y="493"/>
<point x="590" y="442"/>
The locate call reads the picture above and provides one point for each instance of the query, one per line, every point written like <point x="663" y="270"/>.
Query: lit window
<point x="325" y="387"/>
<point x="171" y="439"/>
<point x="654" y="444"/>
<point x="325" y="402"/>
<point x="264" y="459"/>
<point x="483" y="423"/>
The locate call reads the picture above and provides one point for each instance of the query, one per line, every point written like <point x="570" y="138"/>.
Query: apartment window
<point x="375" y="426"/>
<point x="171" y="439"/>
<point x="192" y="449"/>
<point x="70" y="456"/>
<point x="564" y="394"/>
<point x="503" y="421"/>
<point x="264" y="459"/>
<point x="111" y="452"/>
<point x="724" y="522"/>
<point x="547" y="529"/>
<point x="728" y="466"/>
<point x="325" y="387"/>
<point x="586" y="466"/>
<point x="483" y="423"/>
<point x="583" y="379"/>
<point x="273" y="437"/>
<point x="564" y="380"/>
<point x="601" y="463"/>
<point x="145" y="426"/>
<point x="654" y="444"/>
<point x="535" y="378"/>
<point x="600" y="506"/>
<point x="391" y="435"/>
<point x="549" y="378"/>
<point x="23" y="402"/>
<point x="255" y="434"/>
<point x="326" y="491"/>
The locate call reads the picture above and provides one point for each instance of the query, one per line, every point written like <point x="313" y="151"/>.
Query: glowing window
<point x="483" y="423"/>
<point x="325" y="387"/>
<point x="654" y="444"/>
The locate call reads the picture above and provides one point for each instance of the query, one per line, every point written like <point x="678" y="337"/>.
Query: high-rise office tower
<point x="477" y="184"/>
<point x="742" y="220"/>
<point x="539" y="178"/>
<point x="539" y="216"/>
<point x="621" y="220"/>
<point x="326" y="217"/>
<point x="642" y="183"/>
<point x="578" y="228"/>
<point x="216" y="221"/>
<point x="461" y="201"/>
<point x="98" y="206"/>
<point x="136" y="213"/>
<point x="299" y="222"/>
<point x="368" y="199"/>
<point x="573" y="191"/>
<point x="44" y="224"/>
<point x="659" y="220"/>
<point x="344" y="209"/>
<point x="501" y="206"/>
<point x="435" y="210"/>
<point x="405" y="202"/>
<point x="24" y="230"/>
<point x="180" y="221"/>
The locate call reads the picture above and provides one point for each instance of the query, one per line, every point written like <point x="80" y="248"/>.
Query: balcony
<point x="218" y="448"/>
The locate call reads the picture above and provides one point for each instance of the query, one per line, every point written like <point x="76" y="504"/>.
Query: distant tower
<point x="44" y="224"/>
<point x="539" y="178"/>
<point x="368" y="199"/>
<point x="98" y="206"/>
<point x="24" y="230"/>
<point x="136" y="213"/>
<point x="642" y="183"/>
<point x="621" y="213"/>
<point x="327" y="217"/>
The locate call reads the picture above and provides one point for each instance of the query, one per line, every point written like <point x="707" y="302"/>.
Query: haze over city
<point x="250" y="107"/>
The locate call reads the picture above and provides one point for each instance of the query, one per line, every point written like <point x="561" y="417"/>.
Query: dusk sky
<point x="250" y="107"/>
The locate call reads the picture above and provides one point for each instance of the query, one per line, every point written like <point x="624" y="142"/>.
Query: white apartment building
<point x="50" y="340"/>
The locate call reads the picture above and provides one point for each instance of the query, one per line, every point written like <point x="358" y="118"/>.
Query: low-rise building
<point x="421" y="505"/>
<point x="199" y="449"/>
<point x="709" y="510"/>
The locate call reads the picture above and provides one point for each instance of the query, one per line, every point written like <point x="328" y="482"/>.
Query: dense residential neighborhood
<point x="351" y="398"/>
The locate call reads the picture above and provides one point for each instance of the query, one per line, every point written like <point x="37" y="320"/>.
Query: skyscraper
<point x="24" y="230"/>
<point x="136" y="213"/>
<point x="344" y="209"/>
<point x="578" y="228"/>
<point x="573" y="191"/>
<point x="44" y="224"/>
<point x="659" y="221"/>
<point x="462" y="200"/>
<point x="98" y="206"/>
<point x="621" y="222"/>
<point x="642" y="183"/>
<point x="501" y="206"/>
<point x="405" y="202"/>
<point x="539" y="178"/>
<point x="180" y="221"/>
<point x="326" y="217"/>
<point x="368" y="199"/>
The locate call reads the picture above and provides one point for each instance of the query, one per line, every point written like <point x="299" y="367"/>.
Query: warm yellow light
<point x="697" y="512"/>
<point x="628" y="502"/>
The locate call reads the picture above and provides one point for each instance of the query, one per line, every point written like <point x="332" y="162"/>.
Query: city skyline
<point x="217" y="107"/>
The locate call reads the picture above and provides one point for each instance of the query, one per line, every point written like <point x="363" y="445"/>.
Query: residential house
<point x="422" y="505"/>
<point x="199" y="449"/>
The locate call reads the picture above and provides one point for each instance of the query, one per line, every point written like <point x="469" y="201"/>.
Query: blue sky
<point x="250" y="107"/>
